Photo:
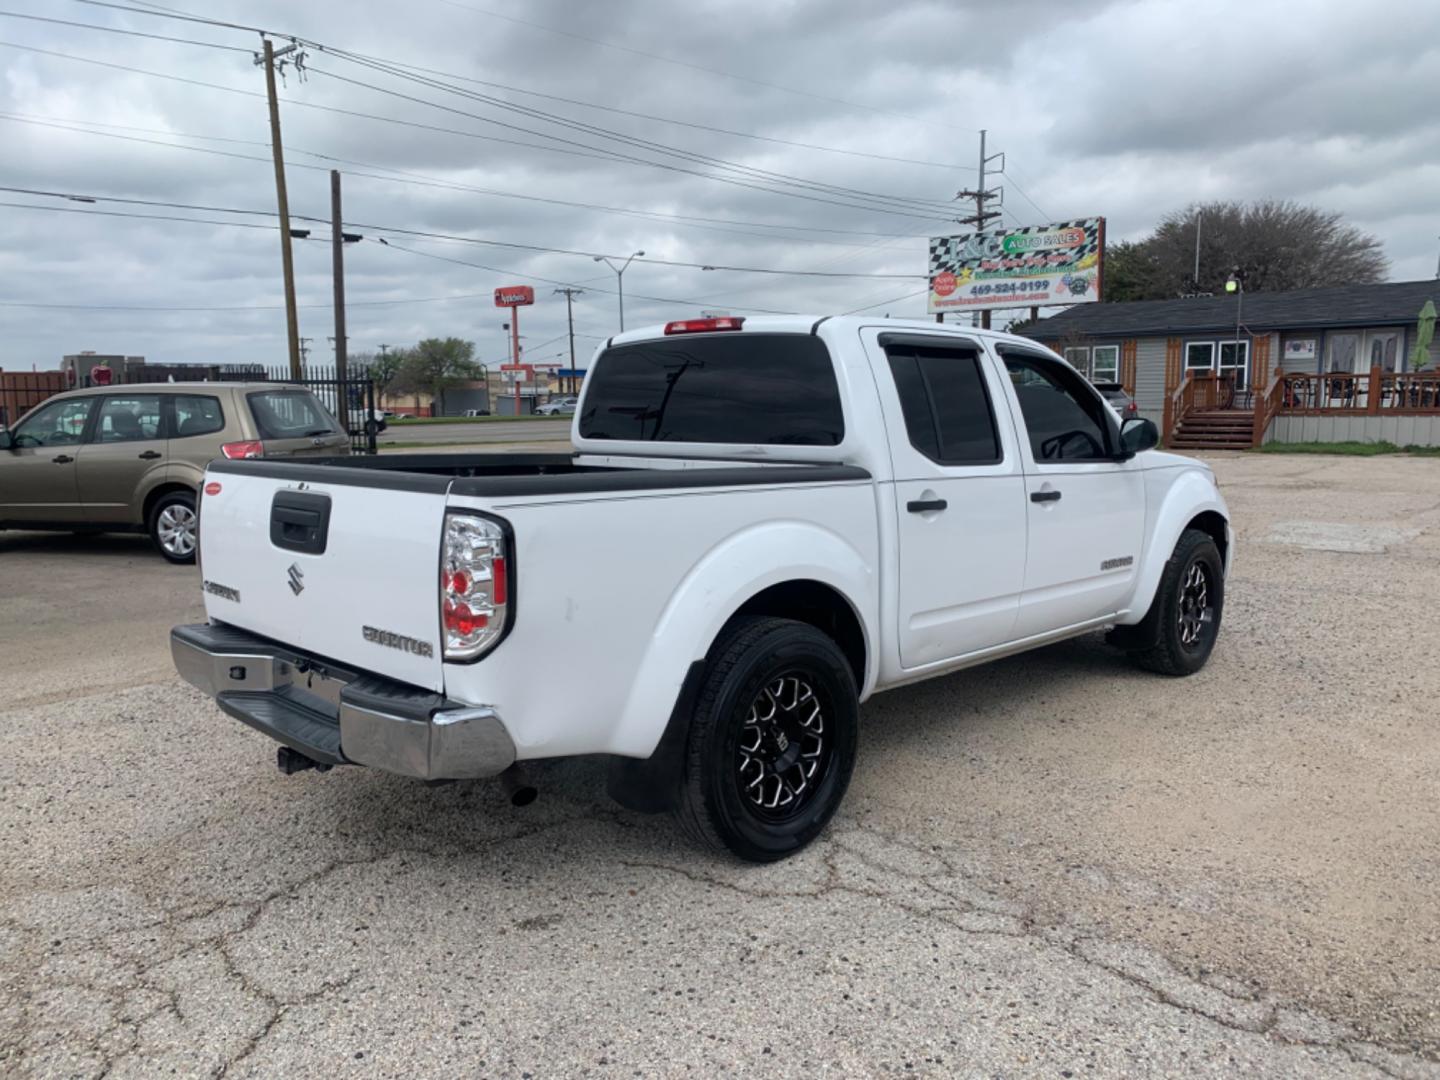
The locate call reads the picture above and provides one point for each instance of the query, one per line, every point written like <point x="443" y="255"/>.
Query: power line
<point x="556" y="281"/>
<point x="882" y="303"/>
<point x="532" y="93"/>
<point x="594" y="151"/>
<point x="389" y="67"/>
<point x="760" y="175"/>
<point x="687" y="64"/>
<point x="127" y="33"/>
<point x="416" y="180"/>
<point x="421" y="234"/>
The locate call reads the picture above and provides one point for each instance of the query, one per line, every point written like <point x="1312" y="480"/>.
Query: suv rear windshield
<point x="290" y="414"/>
<point x="768" y="389"/>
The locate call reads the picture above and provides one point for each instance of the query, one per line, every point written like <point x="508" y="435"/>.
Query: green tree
<point x="1279" y="244"/>
<point x="1129" y="272"/>
<point x="380" y="369"/>
<point x="434" y="365"/>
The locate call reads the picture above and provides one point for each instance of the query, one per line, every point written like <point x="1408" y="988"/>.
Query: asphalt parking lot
<point x="1052" y="866"/>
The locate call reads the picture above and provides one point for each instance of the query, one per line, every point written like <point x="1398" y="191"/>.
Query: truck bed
<point x="508" y="475"/>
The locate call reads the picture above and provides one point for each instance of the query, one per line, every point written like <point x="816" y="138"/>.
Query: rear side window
<point x="197" y="414"/>
<point x="947" y="408"/>
<point x="131" y="418"/>
<point x="289" y="414"/>
<point x="767" y="389"/>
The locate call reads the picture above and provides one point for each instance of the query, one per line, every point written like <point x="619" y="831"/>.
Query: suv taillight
<point x="476" y="585"/>
<point x="251" y="448"/>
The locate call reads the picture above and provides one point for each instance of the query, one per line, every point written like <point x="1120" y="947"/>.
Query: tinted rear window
<point x="770" y="389"/>
<point x="290" y="414"/>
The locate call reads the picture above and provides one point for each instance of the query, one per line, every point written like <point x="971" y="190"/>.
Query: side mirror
<point x="1138" y="434"/>
<point x="7" y="441"/>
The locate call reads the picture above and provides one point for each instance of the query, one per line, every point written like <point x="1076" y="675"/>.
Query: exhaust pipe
<point x="517" y="786"/>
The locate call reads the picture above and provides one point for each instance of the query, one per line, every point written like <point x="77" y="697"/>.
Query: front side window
<point x="750" y="388"/>
<point x="946" y="405"/>
<point x="289" y="414"/>
<point x="57" y="423"/>
<point x="1105" y="364"/>
<point x="132" y="418"/>
<point x="1063" y="416"/>
<point x="197" y="414"/>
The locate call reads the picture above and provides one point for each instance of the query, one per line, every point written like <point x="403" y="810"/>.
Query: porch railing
<point x="1373" y="393"/>
<point x="1267" y="404"/>
<point x="1198" y="390"/>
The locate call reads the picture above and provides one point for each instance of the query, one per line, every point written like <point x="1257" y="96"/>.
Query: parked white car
<point x="557" y="407"/>
<point x="764" y="521"/>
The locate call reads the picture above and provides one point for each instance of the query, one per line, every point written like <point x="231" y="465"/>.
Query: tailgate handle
<point x="300" y="521"/>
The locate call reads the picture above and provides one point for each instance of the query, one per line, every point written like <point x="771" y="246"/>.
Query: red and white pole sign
<point x="515" y="296"/>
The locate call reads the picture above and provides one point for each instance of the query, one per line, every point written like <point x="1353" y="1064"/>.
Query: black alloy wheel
<point x="772" y="740"/>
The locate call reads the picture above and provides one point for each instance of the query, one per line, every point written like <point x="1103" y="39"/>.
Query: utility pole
<point x="287" y="260"/>
<point x="337" y="262"/>
<point x="1199" y="218"/>
<point x="570" y="294"/>
<point x="304" y="351"/>
<point x="981" y="195"/>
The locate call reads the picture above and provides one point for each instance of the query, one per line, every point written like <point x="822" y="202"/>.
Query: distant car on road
<point x="564" y="406"/>
<point x="472" y="413"/>
<point x="132" y="458"/>
<point x="1120" y="401"/>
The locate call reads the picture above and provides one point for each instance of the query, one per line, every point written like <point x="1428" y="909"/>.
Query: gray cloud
<point x="1123" y="109"/>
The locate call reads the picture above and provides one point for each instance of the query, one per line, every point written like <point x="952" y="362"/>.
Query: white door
<point x="959" y="495"/>
<point x="1235" y="360"/>
<point x="1086" y="509"/>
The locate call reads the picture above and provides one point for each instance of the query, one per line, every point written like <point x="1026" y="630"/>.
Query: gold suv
<point x="132" y="458"/>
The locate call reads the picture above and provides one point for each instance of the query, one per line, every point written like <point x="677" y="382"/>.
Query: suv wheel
<point x="1184" y="618"/>
<point x="772" y="742"/>
<point x="173" y="526"/>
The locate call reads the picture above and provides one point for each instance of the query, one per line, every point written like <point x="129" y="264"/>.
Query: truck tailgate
<point x="344" y="571"/>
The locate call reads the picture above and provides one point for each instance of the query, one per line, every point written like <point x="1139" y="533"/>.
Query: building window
<point x="1079" y="359"/>
<point x="1200" y="356"/>
<point x="1342" y="350"/>
<point x="1105" y="364"/>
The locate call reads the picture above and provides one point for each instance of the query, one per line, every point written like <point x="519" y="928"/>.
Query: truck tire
<point x="772" y="741"/>
<point x="1184" y="618"/>
<point x="173" y="526"/>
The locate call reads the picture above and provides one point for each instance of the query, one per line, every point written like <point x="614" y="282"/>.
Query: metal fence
<point x="351" y="401"/>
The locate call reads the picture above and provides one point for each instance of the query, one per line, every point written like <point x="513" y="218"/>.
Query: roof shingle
<point x="1384" y="304"/>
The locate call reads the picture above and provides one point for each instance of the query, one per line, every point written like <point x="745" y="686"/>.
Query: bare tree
<point x="1279" y="244"/>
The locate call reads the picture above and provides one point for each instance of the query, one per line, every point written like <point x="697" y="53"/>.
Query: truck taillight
<point x="250" y="448"/>
<point x="476" y="585"/>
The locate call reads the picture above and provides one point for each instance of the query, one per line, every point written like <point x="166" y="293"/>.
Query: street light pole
<point x="620" y="280"/>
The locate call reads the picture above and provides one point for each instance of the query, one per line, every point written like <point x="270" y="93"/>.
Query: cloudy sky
<point x="800" y="135"/>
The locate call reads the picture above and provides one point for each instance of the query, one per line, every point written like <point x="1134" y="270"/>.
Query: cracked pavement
<point x="1051" y="866"/>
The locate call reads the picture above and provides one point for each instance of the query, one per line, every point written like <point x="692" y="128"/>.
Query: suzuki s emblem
<point x="297" y="579"/>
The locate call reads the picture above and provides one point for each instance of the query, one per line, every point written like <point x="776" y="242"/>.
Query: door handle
<point x="151" y="455"/>
<point x="920" y="506"/>
<point x="62" y="459"/>
<point x="1044" y="496"/>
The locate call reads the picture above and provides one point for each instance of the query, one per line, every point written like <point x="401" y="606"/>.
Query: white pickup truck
<point x="764" y="521"/>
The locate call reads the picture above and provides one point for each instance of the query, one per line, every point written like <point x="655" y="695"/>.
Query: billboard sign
<point x="1036" y="266"/>
<point x="514" y="296"/>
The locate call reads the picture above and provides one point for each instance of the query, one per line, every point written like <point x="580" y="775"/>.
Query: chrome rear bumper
<point x="336" y="716"/>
